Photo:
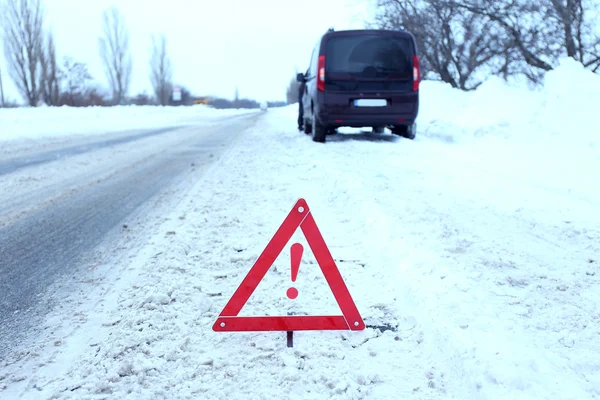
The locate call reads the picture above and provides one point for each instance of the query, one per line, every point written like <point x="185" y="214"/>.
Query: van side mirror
<point x="300" y="78"/>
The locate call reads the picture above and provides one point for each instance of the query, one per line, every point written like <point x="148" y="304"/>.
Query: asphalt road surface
<point x="47" y="232"/>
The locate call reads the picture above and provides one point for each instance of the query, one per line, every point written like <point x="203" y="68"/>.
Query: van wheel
<point x="307" y="127"/>
<point x="406" y="131"/>
<point x="318" y="131"/>
<point x="379" y="129"/>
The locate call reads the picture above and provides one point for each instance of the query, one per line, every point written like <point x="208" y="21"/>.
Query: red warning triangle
<point x="299" y="217"/>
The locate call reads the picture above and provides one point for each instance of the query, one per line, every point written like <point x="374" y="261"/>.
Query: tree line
<point x="462" y="42"/>
<point x="30" y="53"/>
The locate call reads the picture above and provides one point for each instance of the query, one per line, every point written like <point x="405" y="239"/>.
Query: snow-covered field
<point x="50" y="122"/>
<point x="479" y="243"/>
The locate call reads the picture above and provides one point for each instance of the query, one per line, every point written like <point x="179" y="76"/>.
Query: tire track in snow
<point x="13" y="165"/>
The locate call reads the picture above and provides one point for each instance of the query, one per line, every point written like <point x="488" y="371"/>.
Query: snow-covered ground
<point x="479" y="242"/>
<point x="50" y="122"/>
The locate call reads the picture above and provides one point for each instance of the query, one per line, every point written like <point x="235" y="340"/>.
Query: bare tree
<point x="1" y="91"/>
<point x="543" y="31"/>
<point x="50" y="85"/>
<point x="115" y="53"/>
<point x="580" y="36"/>
<point x="160" y="65"/>
<point x="523" y="22"/>
<point x="75" y="76"/>
<point x="457" y="47"/>
<point x="22" y="23"/>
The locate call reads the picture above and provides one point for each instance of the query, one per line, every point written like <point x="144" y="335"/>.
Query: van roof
<point x="380" y="32"/>
<point x="369" y="31"/>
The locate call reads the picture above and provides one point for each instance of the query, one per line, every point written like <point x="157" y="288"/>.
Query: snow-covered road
<point x="58" y="205"/>
<point x="479" y="243"/>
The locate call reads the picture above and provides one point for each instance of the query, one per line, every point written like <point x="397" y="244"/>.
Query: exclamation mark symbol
<point x="296" y="257"/>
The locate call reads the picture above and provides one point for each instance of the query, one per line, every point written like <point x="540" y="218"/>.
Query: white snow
<point x="479" y="242"/>
<point x="43" y="122"/>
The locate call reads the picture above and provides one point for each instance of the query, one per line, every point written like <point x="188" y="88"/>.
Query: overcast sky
<point x="214" y="45"/>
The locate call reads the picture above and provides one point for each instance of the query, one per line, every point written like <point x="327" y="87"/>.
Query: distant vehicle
<point x="362" y="78"/>
<point x="264" y="106"/>
<point x="202" y="100"/>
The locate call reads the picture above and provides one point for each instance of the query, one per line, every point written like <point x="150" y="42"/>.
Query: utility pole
<point x="1" y="91"/>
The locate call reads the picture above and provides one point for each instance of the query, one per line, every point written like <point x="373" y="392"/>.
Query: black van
<point x="362" y="78"/>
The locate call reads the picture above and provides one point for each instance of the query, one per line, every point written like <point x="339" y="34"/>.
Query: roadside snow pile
<point x="559" y="111"/>
<point x="31" y="123"/>
<point x="535" y="134"/>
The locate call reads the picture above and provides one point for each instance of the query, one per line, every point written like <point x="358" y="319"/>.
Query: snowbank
<point x="550" y="131"/>
<point x="32" y="123"/>
<point x="562" y="110"/>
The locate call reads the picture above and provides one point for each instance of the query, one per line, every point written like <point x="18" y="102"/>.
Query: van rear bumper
<point x="359" y="121"/>
<point x="336" y="109"/>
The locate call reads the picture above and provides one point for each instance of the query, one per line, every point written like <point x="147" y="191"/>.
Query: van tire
<point x="307" y="127"/>
<point x="379" y="129"/>
<point x="406" y="131"/>
<point x="318" y="131"/>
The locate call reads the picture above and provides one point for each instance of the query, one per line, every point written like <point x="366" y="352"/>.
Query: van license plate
<point x="370" y="103"/>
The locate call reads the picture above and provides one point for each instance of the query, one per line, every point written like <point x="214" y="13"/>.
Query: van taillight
<point x="416" y="73"/>
<point x="321" y="74"/>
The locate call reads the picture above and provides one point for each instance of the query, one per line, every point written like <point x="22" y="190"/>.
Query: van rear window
<point x="369" y="55"/>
